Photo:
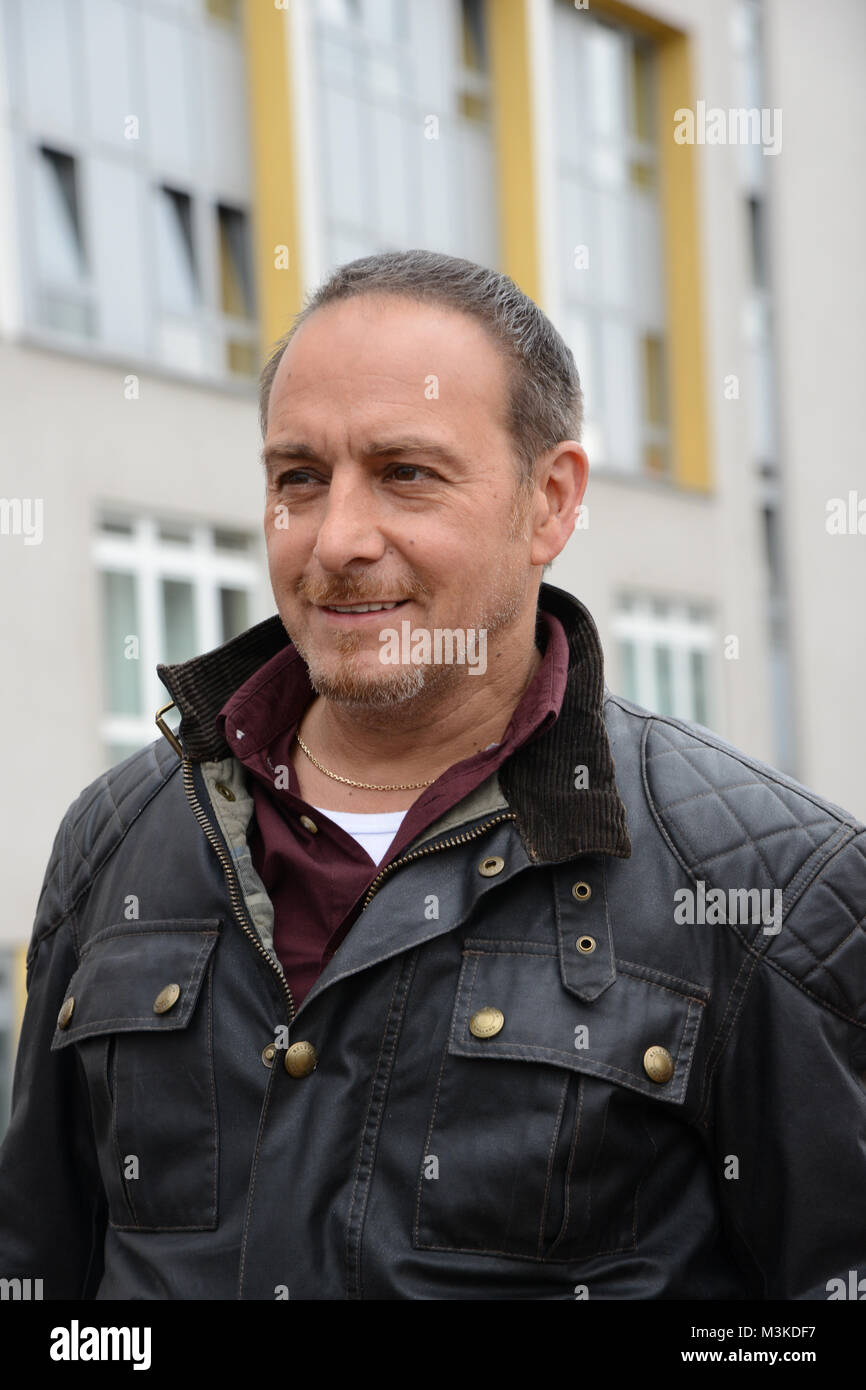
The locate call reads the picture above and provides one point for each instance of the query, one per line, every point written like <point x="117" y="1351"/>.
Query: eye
<point x="409" y="468"/>
<point x="295" y="475"/>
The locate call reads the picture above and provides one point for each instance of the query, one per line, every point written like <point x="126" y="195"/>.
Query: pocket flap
<point x="607" y="1037"/>
<point x="135" y="977"/>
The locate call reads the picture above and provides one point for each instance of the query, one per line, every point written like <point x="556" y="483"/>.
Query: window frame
<point x="576" y="177"/>
<point x="143" y="554"/>
<point x="687" y="628"/>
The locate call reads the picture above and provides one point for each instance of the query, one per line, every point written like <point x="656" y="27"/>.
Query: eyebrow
<point x="377" y="448"/>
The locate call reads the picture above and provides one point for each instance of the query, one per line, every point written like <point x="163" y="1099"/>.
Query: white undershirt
<point x="374" y="830"/>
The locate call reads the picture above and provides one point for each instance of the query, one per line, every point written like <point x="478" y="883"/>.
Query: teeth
<point x="363" y="607"/>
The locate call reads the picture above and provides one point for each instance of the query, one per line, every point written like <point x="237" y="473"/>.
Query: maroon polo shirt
<point x="317" y="880"/>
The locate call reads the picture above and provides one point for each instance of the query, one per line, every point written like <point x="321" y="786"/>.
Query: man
<point x="420" y="965"/>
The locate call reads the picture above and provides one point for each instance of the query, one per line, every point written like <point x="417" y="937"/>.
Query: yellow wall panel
<point x="267" y="36"/>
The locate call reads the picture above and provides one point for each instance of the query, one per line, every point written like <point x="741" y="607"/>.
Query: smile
<point x="363" y="607"/>
<point x="359" y="612"/>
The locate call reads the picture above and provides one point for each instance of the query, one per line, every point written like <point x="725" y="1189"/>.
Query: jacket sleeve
<point x="52" y="1209"/>
<point x="789" y="1096"/>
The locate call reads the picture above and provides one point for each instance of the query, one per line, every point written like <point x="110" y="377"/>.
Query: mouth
<point x="355" y="613"/>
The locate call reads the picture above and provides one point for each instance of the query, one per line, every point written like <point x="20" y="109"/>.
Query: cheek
<point x="283" y="531"/>
<point x="280" y="547"/>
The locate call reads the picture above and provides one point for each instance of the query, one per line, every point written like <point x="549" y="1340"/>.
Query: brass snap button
<point x="309" y="825"/>
<point x="66" y="1012"/>
<point x="491" y="866"/>
<point x="268" y="1054"/>
<point x="486" y="1022"/>
<point x="300" y="1059"/>
<point x="166" y="999"/>
<point x="586" y="944"/>
<point x="658" y="1064"/>
<point x="581" y="891"/>
<point x="225" y="791"/>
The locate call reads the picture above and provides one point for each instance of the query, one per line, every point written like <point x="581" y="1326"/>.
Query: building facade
<point x="175" y="176"/>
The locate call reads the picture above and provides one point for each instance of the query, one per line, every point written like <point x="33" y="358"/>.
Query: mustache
<point x="343" y="589"/>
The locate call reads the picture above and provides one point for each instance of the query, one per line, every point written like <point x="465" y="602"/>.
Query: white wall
<point x="70" y="438"/>
<point x="817" y="58"/>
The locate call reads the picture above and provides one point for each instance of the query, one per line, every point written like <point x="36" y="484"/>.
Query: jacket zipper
<point x="431" y="849"/>
<point x="232" y="883"/>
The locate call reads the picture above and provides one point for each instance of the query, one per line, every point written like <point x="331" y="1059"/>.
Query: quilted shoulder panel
<point x="736" y="824"/>
<point x="734" y="821"/>
<point x="101" y="815"/>
<point x="823" y="942"/>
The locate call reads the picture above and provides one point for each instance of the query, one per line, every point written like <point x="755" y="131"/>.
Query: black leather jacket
<point x="533" y="1078"/>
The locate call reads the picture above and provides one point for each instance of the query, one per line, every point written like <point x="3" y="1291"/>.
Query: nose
<point x="349" y="530"/>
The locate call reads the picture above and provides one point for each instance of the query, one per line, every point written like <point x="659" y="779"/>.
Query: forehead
<point x="387" y="350"/>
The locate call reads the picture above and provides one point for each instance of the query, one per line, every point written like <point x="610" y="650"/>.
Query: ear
<point x="562" y="478"/>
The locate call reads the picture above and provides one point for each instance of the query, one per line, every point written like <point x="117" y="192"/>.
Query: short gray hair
<point x="545" y="402"/>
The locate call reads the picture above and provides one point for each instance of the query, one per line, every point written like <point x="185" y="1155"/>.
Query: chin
<point x="354" y="688"/>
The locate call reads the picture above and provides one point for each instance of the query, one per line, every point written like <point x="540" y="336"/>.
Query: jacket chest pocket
<point x="138" y="1010"/>
<point x="538" y="1121"/>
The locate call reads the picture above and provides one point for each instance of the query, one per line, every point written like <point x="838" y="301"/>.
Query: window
<point x="199" y="319"/>
<point x="474" y="93"/>
<point x="236" y="289"/>
<point x="405" y="150"/>
<point x="608" y="184"/>
<point x="64" y="301"/>
<point x="176" y="254"/>
<point x="664" y="652"/>
<point x="236" y="279"/>
<point x="135" y="220"/>
<point x="169" y="591"/>
<point x="180" y="340"/>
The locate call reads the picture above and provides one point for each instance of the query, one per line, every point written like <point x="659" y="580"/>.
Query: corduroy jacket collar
<point x="554" y="819"/>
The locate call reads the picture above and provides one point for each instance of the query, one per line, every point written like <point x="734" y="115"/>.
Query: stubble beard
<point x="363" y="689"/>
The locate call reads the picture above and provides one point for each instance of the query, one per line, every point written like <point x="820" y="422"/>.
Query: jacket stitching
<point x="858" y="922"/>
<point x="545" y="955"/>
<point x="569" y="1171"/>
<point x="654" y="811"/>
<point x="825" y="1003"/>
<point x="212" y="1077"/>
<point x="770" y="835"/>
<point x="737" y="1012"/>
<point x="254" y="1174"/>
<point x="809" y="871"/>
<point x="764" y="779"/>
<point x="550" y="1156"/>
<point x="479" y="946"/>
<point x="636" y="973"/>
<point x="431" y="1128"/>
<point x="97" y="870"/>
<point x="118" y="934"/>
<point x="765" y="774"/>
<point x="719" y="1042"/>
<point x="702" y="795"/>
<point x="819" y="961"/>
<point x="127" y="1191"/>
<point x="674" y="848"/>
<point x="686" y="1029"/>
<point x="369" y="1159"/>
<point x="700" y="993"/>
<point x="719" y="792"/>
<point x="118" y="1156"/>
<point x="528" y="1051"/>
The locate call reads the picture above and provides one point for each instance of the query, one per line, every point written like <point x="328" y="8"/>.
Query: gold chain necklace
<point x="368" y="786"/>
